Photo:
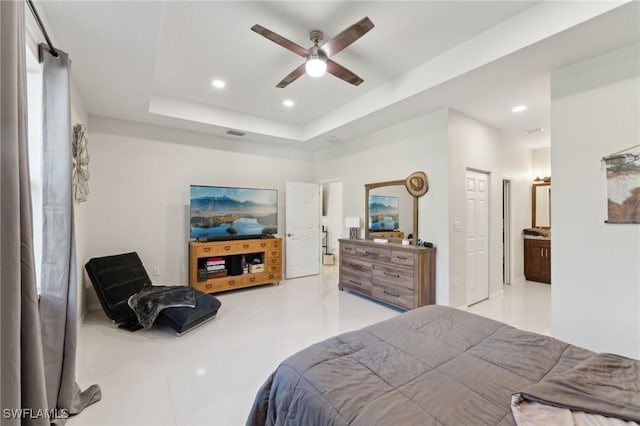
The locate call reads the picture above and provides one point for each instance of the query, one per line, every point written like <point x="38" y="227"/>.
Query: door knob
<point x="289" y="235"/>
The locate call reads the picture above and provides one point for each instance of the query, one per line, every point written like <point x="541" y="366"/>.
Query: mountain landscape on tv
<point x="224" y="216"/>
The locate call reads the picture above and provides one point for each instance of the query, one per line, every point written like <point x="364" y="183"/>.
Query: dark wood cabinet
<point x="537" y="260"/>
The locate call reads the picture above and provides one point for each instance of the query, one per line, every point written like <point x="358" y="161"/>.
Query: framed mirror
<point x="541" y="205"/>
<point x="391" y="212"/>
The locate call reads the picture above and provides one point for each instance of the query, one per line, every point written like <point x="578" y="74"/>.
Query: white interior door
<point x="477" y="249"/>
<point x="302" y="215"/>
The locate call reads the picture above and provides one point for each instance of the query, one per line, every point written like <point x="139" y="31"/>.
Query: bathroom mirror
<point x="390" y="210"/>
<point x="541" y="205"/>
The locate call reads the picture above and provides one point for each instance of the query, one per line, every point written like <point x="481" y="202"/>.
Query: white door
<point x="302" y="215"/>
<point x="477" y="249"/>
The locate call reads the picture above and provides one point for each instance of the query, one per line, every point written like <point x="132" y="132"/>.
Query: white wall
<point x="473" y="144"/>
<point x="82" y="232"/>
<point x="541" y="162"/>
<point x="595" y="111"/>
<point x="139" y="198"/>
<point x="393" y="154"/>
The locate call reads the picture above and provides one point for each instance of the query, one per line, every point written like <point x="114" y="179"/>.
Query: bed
<point x="437" y="365"/>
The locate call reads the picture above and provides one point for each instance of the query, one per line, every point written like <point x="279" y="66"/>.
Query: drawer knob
<point x="208" y="286"/>
<point x="207" y="249"/>
<point x="392" y="275"/>
<point x="232" y="282"/>
<point x="355" y="282"/>
<point x="402" y="257"/>
<point x="227" y="247"/>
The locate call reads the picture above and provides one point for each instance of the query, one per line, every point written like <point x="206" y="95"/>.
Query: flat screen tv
<point x="383" y="213"/>
<point x="222" y="213"/>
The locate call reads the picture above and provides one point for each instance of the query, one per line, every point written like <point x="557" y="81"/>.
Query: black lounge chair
<point x="116" y="278"/>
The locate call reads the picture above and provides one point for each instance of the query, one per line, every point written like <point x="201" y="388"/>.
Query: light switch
<point x="457" y="226"/>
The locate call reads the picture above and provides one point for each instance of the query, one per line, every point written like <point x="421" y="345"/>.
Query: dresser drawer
<point x="348" y="249"/>
<point x="393" y="276"/>
<point x="398" y="296"/>
<point x="274" y="252"/>
<point x="251" y="246"/>
<point x="214" y="249"/>
<point x="356" y="266"/>
<point x="402" y="257"/>
<point x="221" y="284"/>
<point x="378" y="254"/>
<point x="355" y="280"/>
<point x="274" y="269"/>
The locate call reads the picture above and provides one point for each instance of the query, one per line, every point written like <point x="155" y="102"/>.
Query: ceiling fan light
<point x="315" y="67"/>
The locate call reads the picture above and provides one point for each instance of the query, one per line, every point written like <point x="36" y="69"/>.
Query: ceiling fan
<point x="317" y="60"/>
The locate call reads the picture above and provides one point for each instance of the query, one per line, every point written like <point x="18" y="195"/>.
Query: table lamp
<point x="353" y="223"/>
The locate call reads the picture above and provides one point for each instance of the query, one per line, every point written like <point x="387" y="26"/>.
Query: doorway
<point x="477" y="236"/>
<point x="331" y="219"/>
<point x="506" y="231"/>
<point x="302" y="215"/>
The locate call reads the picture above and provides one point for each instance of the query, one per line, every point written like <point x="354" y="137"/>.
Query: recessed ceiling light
<point x="288" y="103"/>
<point x="519" y="108"/>
<point x="218" y="84"/>
<point x="536" y="130"/>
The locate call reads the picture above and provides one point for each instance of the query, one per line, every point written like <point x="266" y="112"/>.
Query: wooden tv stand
<point x="269" y="249"/>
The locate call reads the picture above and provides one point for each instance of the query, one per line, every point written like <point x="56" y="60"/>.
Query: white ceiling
<point x="153" y="62"/>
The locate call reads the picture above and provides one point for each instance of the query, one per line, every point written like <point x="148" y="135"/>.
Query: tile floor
<point x="211" y="375"/>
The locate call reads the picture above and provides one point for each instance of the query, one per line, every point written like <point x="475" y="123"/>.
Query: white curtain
<point x="22" y="379"/>
<point x="58" y="298"/>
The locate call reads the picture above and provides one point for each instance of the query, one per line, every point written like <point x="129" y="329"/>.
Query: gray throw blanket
<point x="604" y="384"/>
<point x="148" y="303"/>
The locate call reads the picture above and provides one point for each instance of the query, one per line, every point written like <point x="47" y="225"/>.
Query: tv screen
<point x="218" y="212"/>
<point x="383" y="213"/>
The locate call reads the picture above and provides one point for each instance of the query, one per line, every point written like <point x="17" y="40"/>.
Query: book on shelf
<point x="213" y="268"/>
<point x="215" y="261"/>
<point x="218" y="274"/>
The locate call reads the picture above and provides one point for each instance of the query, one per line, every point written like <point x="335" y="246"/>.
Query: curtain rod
<point x="52" y="49"/>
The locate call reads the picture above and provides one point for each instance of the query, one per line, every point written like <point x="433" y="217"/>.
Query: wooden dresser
<point x="537" y="260"/>
<point x="230" y="255"/>
<point x="402" y="276"/>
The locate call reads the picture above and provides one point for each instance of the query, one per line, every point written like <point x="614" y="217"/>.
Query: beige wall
<point x="139" y="197"/>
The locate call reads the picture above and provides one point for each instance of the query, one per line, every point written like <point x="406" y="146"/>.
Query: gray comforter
<point x="432" y="365"/>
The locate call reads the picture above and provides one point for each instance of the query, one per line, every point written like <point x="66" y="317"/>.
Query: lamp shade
<point x="352" y="222"/>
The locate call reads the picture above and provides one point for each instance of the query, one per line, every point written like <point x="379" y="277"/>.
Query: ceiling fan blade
<point x="343" y="73"/>
<point x="348" y="36"/>
<point x="278" y="39"/>
<point x="293" y="76"/>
